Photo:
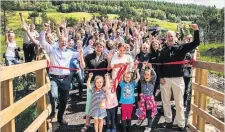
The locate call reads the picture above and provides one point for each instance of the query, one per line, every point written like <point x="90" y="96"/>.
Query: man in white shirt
<point x="60" y="79"/>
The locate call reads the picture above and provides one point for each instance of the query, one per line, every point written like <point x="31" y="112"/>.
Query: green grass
<point x="212" y="53"/>
<point x="164" y="24"/>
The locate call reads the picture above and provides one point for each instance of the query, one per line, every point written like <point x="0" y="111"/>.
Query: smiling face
<point x="155" y="45"/>
<point x="147" y="75"/>
<point x="127" y="77"/>
<point x="99" y="81"/>
<point x="11" y="37"/>
<point x="62" y="43"/>
<point x="145" y="48"/>
<point x="99" y="48"/>
<point x="71" y="43"/>
<point x="121" y="50"/>
<point x="50" y="38"/>
<point x="170" y="37"/>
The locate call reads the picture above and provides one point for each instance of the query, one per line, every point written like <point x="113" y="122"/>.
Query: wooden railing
<point x="200" y="115"/>
<point x="9" y="110"/>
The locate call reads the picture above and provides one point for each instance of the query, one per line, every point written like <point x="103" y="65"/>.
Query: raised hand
<point x="25" y="26"/>
<point x="106" y="75"/>
<point x="150" y="65"/>
<point x="90" y="75"/>
<point x="194" y="26"/>
<point x="64" y="24"/>
<point x="80" y="50"/>
<point x="144" y="64"/>
<point x="110" y="55"/>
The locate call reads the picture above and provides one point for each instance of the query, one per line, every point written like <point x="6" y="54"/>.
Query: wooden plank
<point x="39" y="120"/>
<point x="209" y="118"/>
<point x="192" y="128"/>
<point x="12" y="111"/>
<point x="6" y="101"/>
<point x="209" y="92"/>
<point x="219" y="67"/>
<point x="202" y="98"/>
<point x="8" y="72"/>
<point x="41" y="103"/>
<point x="196" y="93"/>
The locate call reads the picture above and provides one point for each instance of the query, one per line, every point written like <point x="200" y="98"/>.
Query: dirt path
<point x="75" y="113"/>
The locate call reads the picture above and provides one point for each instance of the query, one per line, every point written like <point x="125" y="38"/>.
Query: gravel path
<point x="75" y="113"/>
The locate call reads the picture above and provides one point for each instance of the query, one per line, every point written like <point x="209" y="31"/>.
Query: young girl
<point x="97" y="105"/>
<point x="111" y="104"/>
<point x="147" y="101"/>
<point x="127" y="98"/>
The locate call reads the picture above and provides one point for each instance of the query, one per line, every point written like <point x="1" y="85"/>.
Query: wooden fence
<point x="200" y="115"/>
<point x="9" y="110"/>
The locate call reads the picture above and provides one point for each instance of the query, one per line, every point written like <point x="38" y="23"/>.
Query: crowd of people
<point x="113" y="58"/>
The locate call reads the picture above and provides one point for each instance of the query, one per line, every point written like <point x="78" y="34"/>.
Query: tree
<point x="71" y="21"/>
<point x="6" y="6"/>
<point x="64" y="8"/>
<point x="33" y="15"/>
<point x="44" y="16"/>
<point x="172" y="17"/>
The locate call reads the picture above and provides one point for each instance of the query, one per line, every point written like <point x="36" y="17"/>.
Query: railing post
<point x="41" y="103"/>
<point x="202" y="98"/>
<point x="7" y="100"/>
<point x="196" y="93"/>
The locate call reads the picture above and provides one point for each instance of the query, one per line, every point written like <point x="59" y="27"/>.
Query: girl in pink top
<point x="111" y="103"/>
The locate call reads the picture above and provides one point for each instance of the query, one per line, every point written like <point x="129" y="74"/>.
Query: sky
<point x="218" y="3"/>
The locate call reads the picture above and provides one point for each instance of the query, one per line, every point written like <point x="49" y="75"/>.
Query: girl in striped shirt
<point x="97" y="106"/>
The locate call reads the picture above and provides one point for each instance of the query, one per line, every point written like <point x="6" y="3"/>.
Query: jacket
<point x="175" y="53"/>
<point x="92" y="63"/>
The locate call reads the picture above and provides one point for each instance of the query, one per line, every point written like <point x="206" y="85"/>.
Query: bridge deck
<point x="75" y="113"/>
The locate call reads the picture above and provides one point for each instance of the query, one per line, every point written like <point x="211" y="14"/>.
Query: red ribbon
<point x="99" y="69"/>
<point x="119" y="77"/>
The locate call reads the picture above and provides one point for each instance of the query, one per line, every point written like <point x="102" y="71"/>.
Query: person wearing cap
<point x="60" y="79"/>
<point x="171" y="76"/>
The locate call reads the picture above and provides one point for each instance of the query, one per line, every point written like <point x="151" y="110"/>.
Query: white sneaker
<point x="147" y="129"/>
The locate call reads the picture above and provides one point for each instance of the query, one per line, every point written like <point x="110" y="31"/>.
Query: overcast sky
<point x="217" y="3"/>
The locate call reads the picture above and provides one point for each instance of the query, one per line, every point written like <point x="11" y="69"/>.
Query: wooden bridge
<point x="9" y="110"/>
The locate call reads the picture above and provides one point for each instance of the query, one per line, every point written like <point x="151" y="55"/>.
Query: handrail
<point x="219" y="67"/>
<point x="10" y="110"/>
<point x="209" y="92"/>
<point x="8" y="72"/>
<point x="200" y="115"/>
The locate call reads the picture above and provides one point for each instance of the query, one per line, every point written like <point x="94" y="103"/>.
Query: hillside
<point x="57" y="17"/>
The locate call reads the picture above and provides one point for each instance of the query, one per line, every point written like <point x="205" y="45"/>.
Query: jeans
<point x="29" y="52"/>
<point x="111" y="117"/>
<point x="187" y="91"/>
<point x="149" y="113"/>
<point x="80" y="79"/>
<point x="11" y="61"/>
<point x="58" y="96"/>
